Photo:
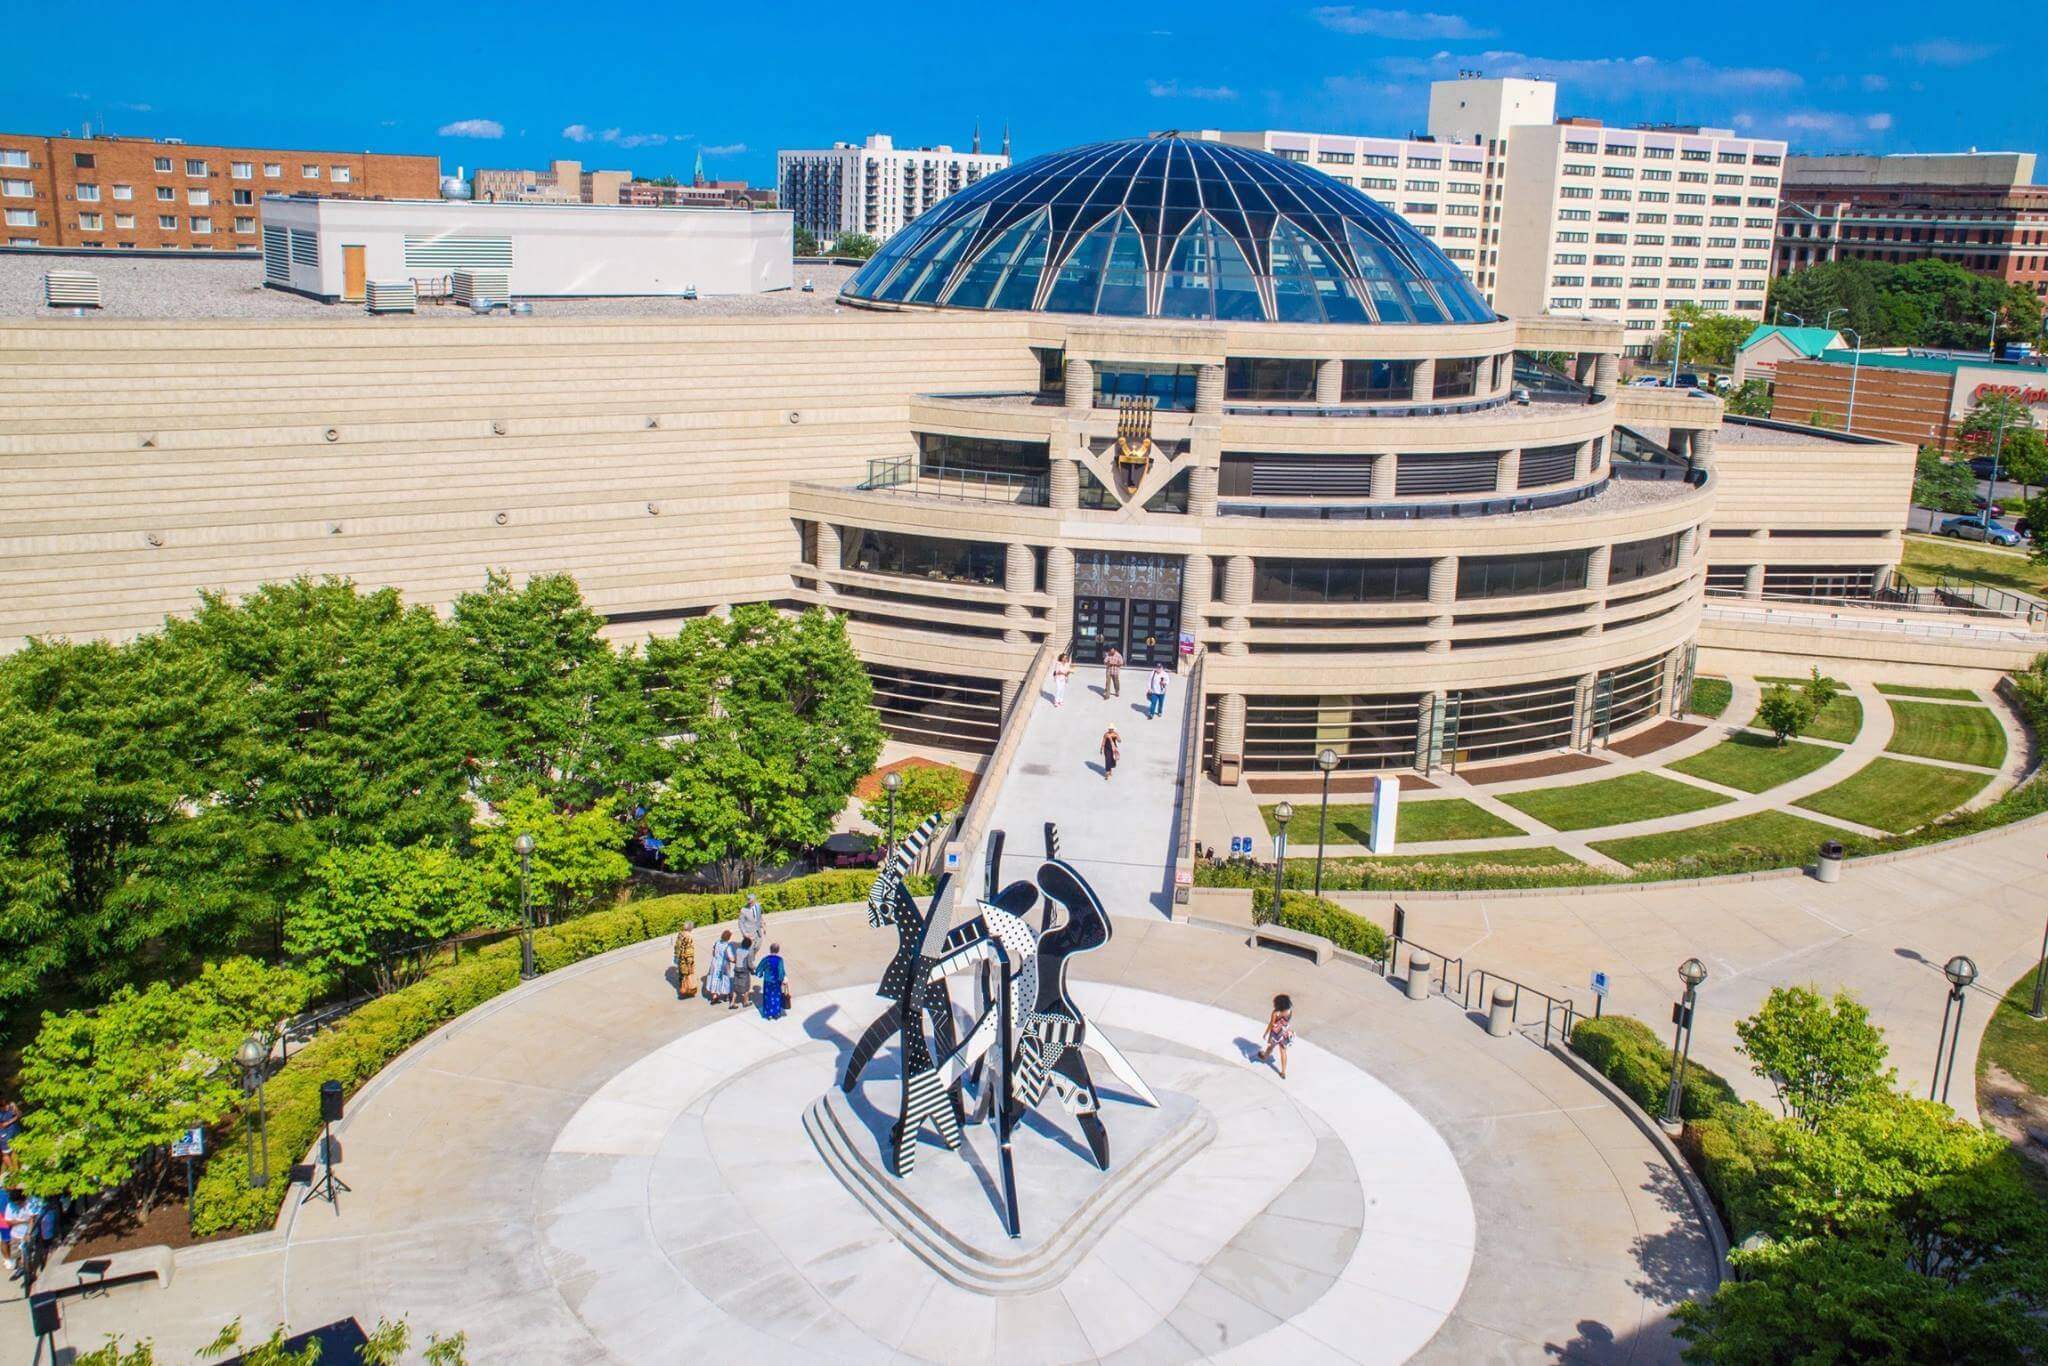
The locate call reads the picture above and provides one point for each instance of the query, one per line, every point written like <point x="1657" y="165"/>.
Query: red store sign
<point x="2011" y="391"/>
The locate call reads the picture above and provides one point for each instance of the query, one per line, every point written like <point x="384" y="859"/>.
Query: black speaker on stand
<point x="327" y="1183"/>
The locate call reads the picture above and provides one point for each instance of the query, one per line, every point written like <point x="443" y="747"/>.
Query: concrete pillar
<point x="1059" y="582"/>
<point x="1424" y="387"/>
<point x="1582" y="464"/>
<point x="1020" y="576"/>
<point x="1753" y="582"/>
<point x="1009" y="700"/>
<point x="1080" y="383"/>
<point x="1443" y="596"/>
<point x="1065" y="492"/>
<point x="1209" y="389"/>
<point x="1237" y="595"/>
<point x="824" y="546"/>
<point x="1196" y="574"/>
<point x="1229" y="737"/>
<point x="1680" y="442"/>
<point x="1606" y="375"/>
<point x="1703" y="449"/>
<point x="1383" y="472"/>
<point x="1582" y="710"/>
<point x="1329" y="382"/>
<point x="1202" y="480"/>
<point x="1510" y="476"/>
<point x="1585" y="366"/>
<point x="1429" y="746"/>
<point x="1596" y="581"/>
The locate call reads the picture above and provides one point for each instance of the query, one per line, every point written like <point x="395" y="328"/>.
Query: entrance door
<point x="1098" y="624"/>
<point x="1154" y="634"/>
<point x="354" y="274"/>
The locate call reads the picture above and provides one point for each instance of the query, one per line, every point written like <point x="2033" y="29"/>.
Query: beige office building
<point x="1249" y="419"/>
<point x="1566" y="216"/>
<point x="875" y="187"/>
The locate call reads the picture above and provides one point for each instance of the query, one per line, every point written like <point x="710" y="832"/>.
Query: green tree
<point x="858" y="245"/>
<point x="804" y="242"/>
<point x="1711" y="338"/>
<point x="105" y="1089"/>
<point x="577" y="862"/>
<point x="1914" y="303"/>
<point x="1942" y="484"/>
<point x="1788" y="711"/>
<point x="558" y="708"/>
<point x="372" y="906"/>
<point x="1820" y="1054"/>
<point x="1751" y="399"/>
<point x="770" y="723"/>
<point x="2003" y="426"/>
<point x="926" y="788"/>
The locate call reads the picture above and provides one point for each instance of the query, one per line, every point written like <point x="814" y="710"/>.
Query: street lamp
<point x="1327" y="762"/>
<point x="1992" y="313"/>
<point x="1855" y="365"/>
<point x="1678" y="349"/>
<point x="1282" y="814"/>
<point x="524" y="844"/>
<point x="1997" y="453"/>
<point x="1692" y="972"/>
<point x="1960" y="971"/>
<point x="2041" y="978"/>
<point x="250" y="1057"/>
<point x="891" y="782"/>
<point x="1829" y="320"/>
<point x="1788" y="313"/>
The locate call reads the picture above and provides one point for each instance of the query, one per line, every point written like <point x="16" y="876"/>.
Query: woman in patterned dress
<point x="1279" y="1031"/>
<point x="718" y="985"/>
<point x="686" y="961"/>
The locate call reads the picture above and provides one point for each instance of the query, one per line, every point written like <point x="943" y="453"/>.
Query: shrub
<point x="1318" y="915"/>
<point x="1629" y="1054"/>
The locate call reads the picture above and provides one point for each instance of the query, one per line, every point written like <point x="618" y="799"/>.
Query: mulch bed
<point x="1548" y="766"/>
<point x="117" y="1225"/>
<point x="1349" y="785"/>
<point x="1659" y="736"/>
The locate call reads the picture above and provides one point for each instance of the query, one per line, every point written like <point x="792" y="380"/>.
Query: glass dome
<point x="1170" y="227"/>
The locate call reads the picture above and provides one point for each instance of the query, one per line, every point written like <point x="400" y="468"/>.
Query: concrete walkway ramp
<point x="1119" y="830"/>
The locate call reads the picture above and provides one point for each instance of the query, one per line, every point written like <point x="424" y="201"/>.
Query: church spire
<point x="977" y="137"/>
<point x="1006" y="139"/>
<point x="697" y="175"/>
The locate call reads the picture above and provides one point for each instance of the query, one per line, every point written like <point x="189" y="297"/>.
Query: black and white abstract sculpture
<point x="1025" y="1037"/>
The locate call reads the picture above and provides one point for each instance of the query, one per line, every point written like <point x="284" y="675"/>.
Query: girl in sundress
<point x="1279" y="1032"/>
<point x="718" y="982"/>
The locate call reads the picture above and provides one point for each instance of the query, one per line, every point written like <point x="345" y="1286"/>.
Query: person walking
<point x="1155" y="693"/>
<point x="1062" y="670"/>
<point x="742" y="975"/>
<point x="718" y="985"/>
<point x="773" y="1000"/>
<point x="1113" y="673"/>
<point x="753" y="922"/>
<point x="686" y="961"/>
<point x="1279" y="1031"/>
<point x="1112" y="750"/>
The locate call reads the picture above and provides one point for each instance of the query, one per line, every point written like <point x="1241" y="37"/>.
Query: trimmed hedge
<point x="361" y="1045"/>
<point x="1628" y="1053"/>
<point x="1316" y="915"/>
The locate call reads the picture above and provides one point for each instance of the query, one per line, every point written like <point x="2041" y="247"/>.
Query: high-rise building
<point x="875" y="187"/>
<point x="164" y="193"/>
<point x="564" y="182"/>
<point x="1980" y="210"/>
<point x="1549" y="215"/>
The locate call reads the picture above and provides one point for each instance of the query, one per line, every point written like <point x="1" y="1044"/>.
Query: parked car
<point x="1646" y="382"/>
<point x="1981" y="466"/>
<point x="1688" y="379"/>
<point x="1980" y="529"/>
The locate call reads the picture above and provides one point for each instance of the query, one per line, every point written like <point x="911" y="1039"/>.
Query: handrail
<point x="1444" y="960"/>
<point x="1188" y="780"/>
<point x="972" y="822"/>
<point x="1552" y="1004"/>
<point x="943" y="481"/>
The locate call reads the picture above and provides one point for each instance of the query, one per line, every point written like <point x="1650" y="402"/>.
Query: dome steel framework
<point x="1170" y="227"/>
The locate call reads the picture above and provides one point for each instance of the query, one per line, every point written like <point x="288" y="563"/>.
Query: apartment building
<point x="875" y="187"/>
<point x="564" y="182"/>
<point x="1565" y="215"/>
<point x="165" y="194"/>
<point x="1979" y="210"/>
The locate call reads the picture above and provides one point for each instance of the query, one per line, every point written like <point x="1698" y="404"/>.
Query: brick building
<point x="1918" y="397"/>
<point x="564" y="182"/>
<point x="149" y="193"/>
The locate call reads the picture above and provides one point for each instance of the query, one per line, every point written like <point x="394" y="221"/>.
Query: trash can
<point x="1829" y="868"/>
<point x="1417" y="982"/>
<point x="1500" y="1016"/>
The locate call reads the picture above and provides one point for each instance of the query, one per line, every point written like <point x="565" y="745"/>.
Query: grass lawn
<point x="1544" y="857"/>
<point x="1755" y="763"/>
<point x="1839" y="720"/>
<point x="1936" y="730"/>
<point x="2015" y="1040"/>
<point x="1895" y="795"/>
<point x="1611" y="801"/>
<point x="1710" y="696"/>
<point x="1445" y="818"/>
<point x="1766" y="837"/>
<point x="1927" y="560"/>
<point x="1908" y="690"/>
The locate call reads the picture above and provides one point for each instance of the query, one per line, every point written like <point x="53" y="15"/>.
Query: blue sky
<point x="646" y="89"/>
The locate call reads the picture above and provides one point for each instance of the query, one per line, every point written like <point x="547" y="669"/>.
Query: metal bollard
<point x="1500" y="1017"/>
<point x="1829" y="866"/>
<point x="1417" y="983"/>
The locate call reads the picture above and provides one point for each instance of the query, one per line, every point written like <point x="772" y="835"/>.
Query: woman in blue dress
<point x="718" y="982"/>
<point x="770" y="971"/>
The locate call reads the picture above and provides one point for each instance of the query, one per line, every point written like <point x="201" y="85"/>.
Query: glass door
<point x="1098" y="624"/>
<point x="1154" y="635"/>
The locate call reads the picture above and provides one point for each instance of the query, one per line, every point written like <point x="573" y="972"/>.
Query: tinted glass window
<point x="1457" y="377"/>
<point x="1170" y="387"/>
<point x="1376" y="379"/>
<point x="1263" y="379"/>
<point x="1506" y="576"/>
<point x="1340" y="581"/>
<point x="1634" y="560"/>
<point x="922" y="557"/>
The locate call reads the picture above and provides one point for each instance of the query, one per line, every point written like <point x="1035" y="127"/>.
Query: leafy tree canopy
<point x="1820" y="1053"/>
<point x="1788" y="711"/>
<point x="926" y="788"/>
<point x="855" y="244"/>
<point x="805" y="242"/>
<point x="369" y="903"/>
<point x="1915" y="303"/>
<point x="577" y="863"/>
<point x="1943" y="484"/>
<point x="1711" y="337"/>
<point x="1751" y="399"/>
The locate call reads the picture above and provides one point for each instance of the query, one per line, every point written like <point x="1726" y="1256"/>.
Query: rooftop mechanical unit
<point x="391" y="296"/>
<point x="71" y="289"/>
<point x="487" y="287"/>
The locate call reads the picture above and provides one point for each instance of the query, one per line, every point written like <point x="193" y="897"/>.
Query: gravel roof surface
<point x="201" y="287"/>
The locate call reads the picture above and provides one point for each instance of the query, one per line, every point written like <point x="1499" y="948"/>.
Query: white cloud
<point x="1168" y="90"/>
<point x="1617" y="75"/>
<point x="1817" y="127"/>
<point x="578" y="132"/>
<point x="489" y="129"/>
<point x="641" y="140"/>
<point x="1399" y="24"/>
<point x="1943" y="52"/>
<point x="1875" y="83"/>
<point x="724" y="149"/>
<point x="1878" y="123"/>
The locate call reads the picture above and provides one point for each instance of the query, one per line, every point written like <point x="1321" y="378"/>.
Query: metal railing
<point x="1900" y="597"/>
<point x="1392" y="964"/>
<point x="1553" y="1006"/>
<point x="911" y="474"/>
<point x="1411" y="409"/>
<point x="1834" y="621"/>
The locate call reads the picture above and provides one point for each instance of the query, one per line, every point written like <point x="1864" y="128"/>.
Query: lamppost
<point x="1855" y="366"/>
<point x="1829" y="320"/>
<point x="250" y="1057"/>
<point x="1282" y="814"/>
<point x="1992" y="313"/>
<point x="1678" y="349"/>
<point x="1783" y="312"/>
<point x="1997" y="454"/>
<point x="1692" y="972"/>
<point x="524" y="844"/>
<point x="1960" y="971"/>
<point x="891" y="782"/>
<point x="1327" y="762"/>
<point x="2041" y="977"/>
